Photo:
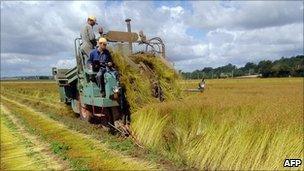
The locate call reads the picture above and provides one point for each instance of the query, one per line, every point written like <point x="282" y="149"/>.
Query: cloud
<point x="14" y="60"/>
<point x="245" y="14"/>
<point x="23" y="64"/>
<point x="238" y="47"/>
<point x="41" y="34"/>
<point x="65" y="63"/>
<point x="259" y="41"/>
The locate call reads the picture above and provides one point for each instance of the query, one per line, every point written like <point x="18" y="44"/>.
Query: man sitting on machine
<point x="101" y="60"/>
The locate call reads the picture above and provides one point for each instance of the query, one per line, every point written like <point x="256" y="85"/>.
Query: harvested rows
<point x="37" y="151"/>
<point x="63" y="114"/>
<point x="234" y="124"/>
<point x="81" y="151"/>
<point x="23" y="152"/>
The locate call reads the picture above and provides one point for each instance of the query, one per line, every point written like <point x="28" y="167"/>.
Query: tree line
<point x="284" y="67"/>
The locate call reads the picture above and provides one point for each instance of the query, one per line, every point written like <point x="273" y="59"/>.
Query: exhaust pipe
<point x="128" y="21"/>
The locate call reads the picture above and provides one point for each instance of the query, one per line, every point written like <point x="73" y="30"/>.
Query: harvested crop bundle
<point x="140" y="73"/>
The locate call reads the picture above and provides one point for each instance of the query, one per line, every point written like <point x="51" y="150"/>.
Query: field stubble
<point x="81" y="151"/>
<point x="21" y="150"/>
<point x="234" y="124"/>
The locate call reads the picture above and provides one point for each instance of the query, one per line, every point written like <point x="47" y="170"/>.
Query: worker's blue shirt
<point x="103" y="57"/>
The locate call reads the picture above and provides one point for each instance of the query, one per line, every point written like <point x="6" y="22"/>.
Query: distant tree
<point x="207" y="69"/>
<point x="281" y="70"/>
<point x="250" y="68"/>
<point x="265" y="68"/>
<point x="284" y="67"/>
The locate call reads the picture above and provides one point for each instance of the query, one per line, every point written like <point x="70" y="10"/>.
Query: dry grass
<point x="63" y="114"/>
<point x="21" y="150"/>
<point x="43" y="91"/>
<point x="80" y="150"/>
<point x="138" y="86"/>
<point x="14" y="153"/>
<point x="234" y="124"/>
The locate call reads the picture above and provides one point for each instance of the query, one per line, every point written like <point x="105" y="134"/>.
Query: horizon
<point x="196" y="34"/>
<point x="199" y="69"/>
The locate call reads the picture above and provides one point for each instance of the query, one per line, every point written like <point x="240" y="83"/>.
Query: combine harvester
<point x="78" y="89"/>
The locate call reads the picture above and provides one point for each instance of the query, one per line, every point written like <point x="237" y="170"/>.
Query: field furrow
<point x="251" y="124"/>
<point x="22" y="151"/>
<point x="35" y="101"/>
<point x="14" y="154"/>
<point x="67" y="117"/>
<point x="41" y="150"/>
<point x="80" y="150"/>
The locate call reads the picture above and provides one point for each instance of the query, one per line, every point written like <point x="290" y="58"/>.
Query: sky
<point x="36" y="36"/>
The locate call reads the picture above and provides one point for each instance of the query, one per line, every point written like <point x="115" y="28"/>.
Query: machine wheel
<point x="84" y="113"/>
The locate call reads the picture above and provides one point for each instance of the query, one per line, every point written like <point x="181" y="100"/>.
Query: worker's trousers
<point x="100" y="77"/>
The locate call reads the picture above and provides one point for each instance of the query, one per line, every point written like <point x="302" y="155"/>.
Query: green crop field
<point x="238" y="124"/>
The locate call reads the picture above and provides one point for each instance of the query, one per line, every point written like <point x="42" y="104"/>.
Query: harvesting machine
<point x="80" y="91"/>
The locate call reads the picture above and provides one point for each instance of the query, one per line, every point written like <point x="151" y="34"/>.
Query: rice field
<point x="235" y="124"/>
